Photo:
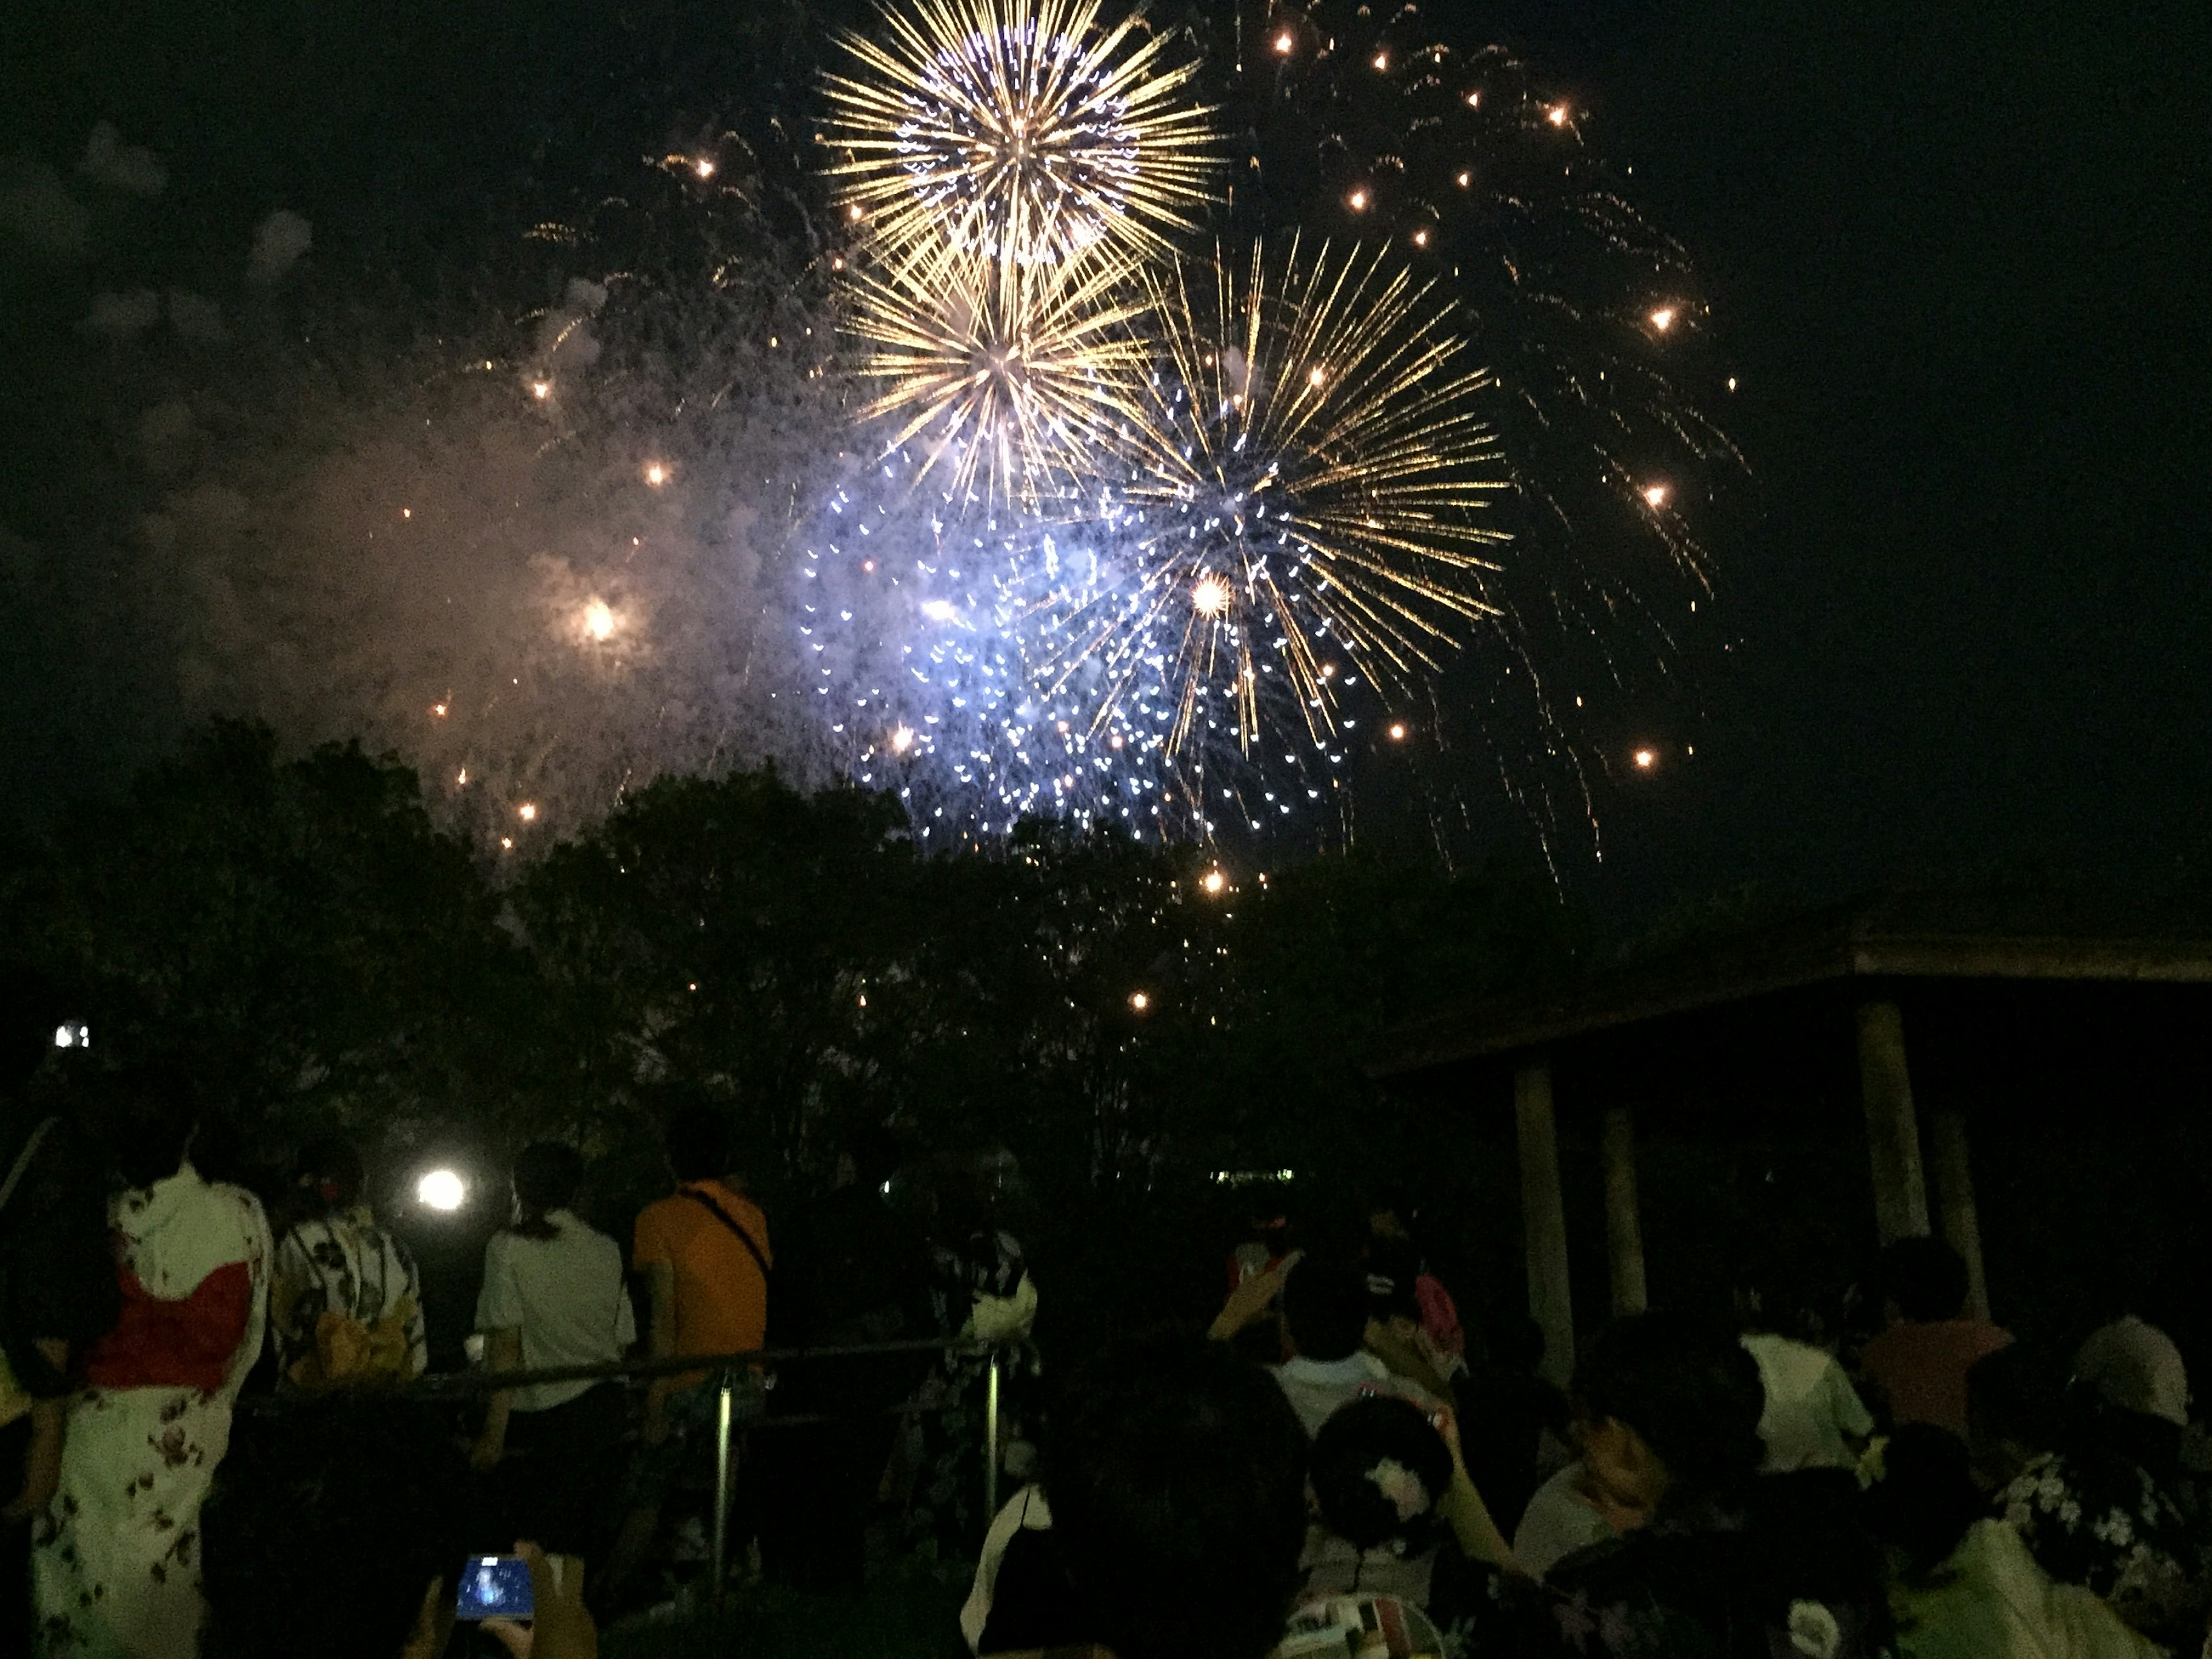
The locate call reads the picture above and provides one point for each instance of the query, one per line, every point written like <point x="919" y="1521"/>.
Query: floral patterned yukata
<point x="121" y="1575"/>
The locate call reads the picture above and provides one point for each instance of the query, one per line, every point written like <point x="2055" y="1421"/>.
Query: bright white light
<point x="1397" y="733"/>
<point x="1663" y="318"/>
<point x="1359" y="199"/>
<point x="1646" y="759"/>
<point x="1139" y="1001"/>
<point x="527" y="812"/>
<point x="655" y="473"/>
<point x="1556" y="115"/>
<point x="541" y="390"/>
<point x="1209" y="596"/>
<point x="1214" y="881"/>
<point x="1654" y="496"/>
<point x="73" y="1034"/>
<point x="704" y="168"/>
<point x="441" y="1189"/>
<point x="902" y="739"/>
<point x="599" y="620"/>
<point x="939" y="611"/>
<point x="1284" y="43"/>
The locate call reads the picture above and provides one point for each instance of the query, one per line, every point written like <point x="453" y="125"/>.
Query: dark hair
<point x="349" y="1506"/>
<point x="1325" y="1304"/>
<point x="547" y="1174"/>
<point x="29" y="1011"/>
<point x="1926" y="1497"/>
<point x="698" y="1139"/>
<point x="1687" y="1388"/>
<point x="2016" y="1395"/>
<point x="328" y="1171"/>
<point x="1924" y="1277"/>
<point x="876" y="1153"/>
<point x="1353" y="1446"/>
<point x="155" y="1112"/>
<point x="1177" y="1475"/>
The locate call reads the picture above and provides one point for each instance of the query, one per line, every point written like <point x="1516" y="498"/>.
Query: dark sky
<point x="1957" y="257"/>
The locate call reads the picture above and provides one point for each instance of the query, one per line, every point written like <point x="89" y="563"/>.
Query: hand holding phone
<point x="560" y="1626"/>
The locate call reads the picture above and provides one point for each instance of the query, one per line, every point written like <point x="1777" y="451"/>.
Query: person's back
<point x="1325" y="1308"/>
<point x="1813" y="1416"/>
<point x="1919" y="1362"/>
<point x="713" y="1241"/>
<point x="346" y="1301"/>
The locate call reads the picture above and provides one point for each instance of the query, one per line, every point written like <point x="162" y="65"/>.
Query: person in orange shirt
<point x="704" y="1251"/>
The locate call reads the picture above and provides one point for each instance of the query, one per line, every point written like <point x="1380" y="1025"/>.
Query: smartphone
<point x="494" y="1587"/>
<point x="1377" y="1391"/>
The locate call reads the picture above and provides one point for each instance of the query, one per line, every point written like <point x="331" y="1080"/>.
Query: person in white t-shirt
<point x="1814" y="1419"/>
<point x="553" y="1296"/>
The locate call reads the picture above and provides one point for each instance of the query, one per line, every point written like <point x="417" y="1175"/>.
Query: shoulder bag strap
<point x="23" y="1160"/>
<point x="759" y="1256"/>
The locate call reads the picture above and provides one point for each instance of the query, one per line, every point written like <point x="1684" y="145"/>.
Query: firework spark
<point x="1004" y="372"/>
<point x="1024" y="131"/>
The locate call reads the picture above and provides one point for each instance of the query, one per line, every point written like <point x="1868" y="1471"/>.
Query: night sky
<point x="1956" y="257"/>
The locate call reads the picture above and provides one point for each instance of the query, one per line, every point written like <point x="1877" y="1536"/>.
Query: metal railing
<point x="724" y="1368"/>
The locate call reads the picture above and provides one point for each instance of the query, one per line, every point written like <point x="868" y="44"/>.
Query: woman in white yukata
<point x="120" y="1575"/>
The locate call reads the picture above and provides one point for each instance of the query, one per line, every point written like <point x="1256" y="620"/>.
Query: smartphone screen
<point x="494" y="1587"/>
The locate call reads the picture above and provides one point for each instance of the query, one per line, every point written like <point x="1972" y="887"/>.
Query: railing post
<point x="991" y="1440"/>
<point x="722" y="1486"/>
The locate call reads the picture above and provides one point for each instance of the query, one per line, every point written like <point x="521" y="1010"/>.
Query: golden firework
<point x="1007" y="374"/>
<point x="1305" y="488"/>
<point x="1024" y="131"/>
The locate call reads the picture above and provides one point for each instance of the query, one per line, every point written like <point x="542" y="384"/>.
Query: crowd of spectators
<point x="1337" y="1466"/>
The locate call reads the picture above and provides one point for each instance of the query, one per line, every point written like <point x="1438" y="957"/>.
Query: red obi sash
<point x="182" y="1343"/>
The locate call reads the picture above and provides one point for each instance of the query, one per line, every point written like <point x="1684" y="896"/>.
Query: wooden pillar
<point x="1544" y="1217"/>
<point x="1624" y="1229"/>
<point x="1900" y="1191"/>
<point x="1954" y="1192"/>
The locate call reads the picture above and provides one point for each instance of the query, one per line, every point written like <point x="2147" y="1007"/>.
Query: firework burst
<point x="1023" y="130"/>
<point x="1003" y="373"/>
<point x="1302" y="498"/>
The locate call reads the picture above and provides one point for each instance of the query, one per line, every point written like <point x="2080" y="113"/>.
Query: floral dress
<point x="982" y="1283"/>
<point x="1787" y="1574"/>
<point x="345" y="1264"/>
<point x="121" y="1574"/>
<point x="2102" y="1518"/>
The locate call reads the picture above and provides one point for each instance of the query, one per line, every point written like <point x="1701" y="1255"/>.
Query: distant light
<point x="1214" y="881"/>
<point x="854" y="213"/>
<point x="1139" y="1001"/>
<point x="902" y="739"/>
<point x="1556" y="115"/>
<point x="406" y="512"/>
<point x="1654" y="496"/>
<point x="527" y="812"/>
<point x="1421" y="237"/>
<point x="703" y="168"/>
<point x="838" y="263"/>
<point x="868" y="566"/>
<point x="1731" y="383"/>
<point x="1397" y="732"/>
<point x="1646" y="759"/>
<point x="441" y="1189"/>
<point x="1382" y="60"/>
<point x="507" y="843"/>
<point x="72" y="1034"/>
<point x="939" y="611"/>
<point x="1316" y="377"/>
<point x="541" y="390"/>
<point x="1663" y="318"/>
<point x="599" y="620"/>
<point x="655" y="473"/>
<point x="1284" y="43"/>
<point x="1359" y="199"/>
<point x="1465" y="179"/>
<point x="1210" y="596"/>
<point x="438" y="709"/>
<point x="462" y="777"/>
<point x="1475" y="100"/>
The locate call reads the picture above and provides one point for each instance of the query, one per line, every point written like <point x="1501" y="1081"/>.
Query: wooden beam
<point x="1544" y="1217"/>
<point x="1954" y="1190"/>
<point x="1900" y="1191"/>
<point x="1624" y="1227"/>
